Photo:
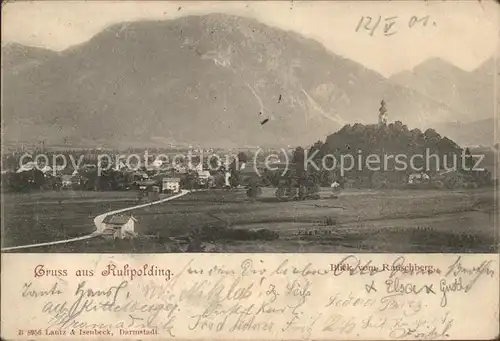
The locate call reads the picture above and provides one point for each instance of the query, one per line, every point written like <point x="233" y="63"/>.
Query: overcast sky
<point x="464" y="33"/>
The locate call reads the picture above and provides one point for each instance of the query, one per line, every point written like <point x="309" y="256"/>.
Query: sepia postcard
<point x="261" y="170"/>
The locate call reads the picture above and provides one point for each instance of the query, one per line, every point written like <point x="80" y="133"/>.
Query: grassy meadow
<point x="227" y="221"/>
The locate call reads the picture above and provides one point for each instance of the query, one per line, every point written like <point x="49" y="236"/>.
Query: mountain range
<point x="469" y="94"/>
<point x="221" y="81"/>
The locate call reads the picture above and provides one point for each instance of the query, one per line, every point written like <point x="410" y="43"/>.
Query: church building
<point x="382" y="116"/>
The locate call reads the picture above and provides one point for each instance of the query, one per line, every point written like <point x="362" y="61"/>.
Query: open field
<point x="358" y="221"/>
<point x="55" y="215"/>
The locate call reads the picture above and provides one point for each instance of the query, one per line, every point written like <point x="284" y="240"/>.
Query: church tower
<point x="382" y="116"/>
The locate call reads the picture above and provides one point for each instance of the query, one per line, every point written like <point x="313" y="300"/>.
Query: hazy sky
<point x="462" y="32"/>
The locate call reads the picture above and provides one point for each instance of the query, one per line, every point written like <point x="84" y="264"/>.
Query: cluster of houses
<point x="155" y="179"/>
<point x="162" y="178"/>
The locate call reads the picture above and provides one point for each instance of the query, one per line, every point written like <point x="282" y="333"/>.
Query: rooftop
<point x="171" y="179"/>
<point x="116" y="219"/>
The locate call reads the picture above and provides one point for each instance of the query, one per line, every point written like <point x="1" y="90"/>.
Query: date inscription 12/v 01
<point x="389" y="25"/>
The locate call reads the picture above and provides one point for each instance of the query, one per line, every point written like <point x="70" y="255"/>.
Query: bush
<point x="243" y="234"/>
<point x="214" y="233"/>
<point x="254" y="191"/>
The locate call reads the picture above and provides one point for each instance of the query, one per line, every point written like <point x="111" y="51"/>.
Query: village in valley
<point x="202" y="129"/>
<point x="243" y="202"/>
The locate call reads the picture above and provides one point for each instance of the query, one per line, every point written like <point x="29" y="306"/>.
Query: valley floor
<point x="356" y="221"/>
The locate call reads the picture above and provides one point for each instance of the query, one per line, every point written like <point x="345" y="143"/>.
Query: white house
<point x="66" y="181"/>
<point x="335" y="186"/>
<point x="416" y="178"/>
<point x="119" y="226"/>
<point x="171" y="185"/>
<point x="204" y="177"/>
